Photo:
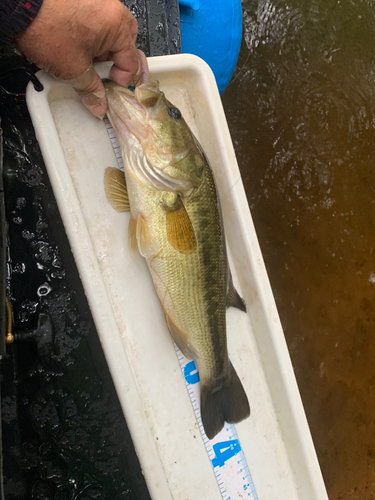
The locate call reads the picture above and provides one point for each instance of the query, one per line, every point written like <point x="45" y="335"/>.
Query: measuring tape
<point x="224" y="450"/>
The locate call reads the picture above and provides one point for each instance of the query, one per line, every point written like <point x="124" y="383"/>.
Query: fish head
<point x="162" y="135"/>
<point x="126" y="114"/>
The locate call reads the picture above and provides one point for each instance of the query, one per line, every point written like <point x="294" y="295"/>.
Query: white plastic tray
<point x="142" y="360"/>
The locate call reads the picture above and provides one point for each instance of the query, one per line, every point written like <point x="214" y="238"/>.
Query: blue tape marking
<point x="224" y="451"/>
<point x="191" y="373"/>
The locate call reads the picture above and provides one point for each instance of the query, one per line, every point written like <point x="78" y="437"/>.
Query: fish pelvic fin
<point x="140" y="238"/>
<point x="132" y="236"/>
<point x="225" y="402"/>
<point x="233" y="297"/>
<point x="116" y="190"/>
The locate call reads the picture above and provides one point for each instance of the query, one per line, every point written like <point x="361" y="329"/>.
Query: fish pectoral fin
<point x="180" y="231"/>
<point x="233" y="297"/>
<point x="116" y="190"/>
<point x="182" y="339"/>
<point x="132" y="236"/>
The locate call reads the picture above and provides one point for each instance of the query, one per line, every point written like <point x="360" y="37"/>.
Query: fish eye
<point x="174" y="113"/>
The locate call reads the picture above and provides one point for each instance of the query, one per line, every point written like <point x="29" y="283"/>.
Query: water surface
<point x="301" y="113"/>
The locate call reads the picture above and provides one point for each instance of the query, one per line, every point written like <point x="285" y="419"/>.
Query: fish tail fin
<point x="226" y="402"/>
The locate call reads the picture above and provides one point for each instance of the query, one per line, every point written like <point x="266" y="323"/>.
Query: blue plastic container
<point x="212" y="30"/>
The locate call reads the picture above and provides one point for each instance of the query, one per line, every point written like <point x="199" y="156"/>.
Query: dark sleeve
<point x="16" y="16"/>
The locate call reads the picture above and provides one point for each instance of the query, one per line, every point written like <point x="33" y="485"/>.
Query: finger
<point x="134" y="35"/>
<point x="90" y="89"/>
<point x="102" y="58"/>
<point x="126" y="65"/>
<point x="144" y="71"/>
<point x="123" y="52"/>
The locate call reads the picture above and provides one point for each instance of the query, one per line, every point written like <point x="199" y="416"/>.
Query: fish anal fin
<point x="115" y="189"/>
<point x="180" y="231"/>
<point x="181" y="339"/>
<point x="224" y="402"/>
<point x="233" y="297"/>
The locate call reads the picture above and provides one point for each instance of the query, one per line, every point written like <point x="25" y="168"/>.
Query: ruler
<point x="224" y="450"/>
<point x="227" y="458"/>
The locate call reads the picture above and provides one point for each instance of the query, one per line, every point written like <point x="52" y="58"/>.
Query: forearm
<point x="16" y="16"/>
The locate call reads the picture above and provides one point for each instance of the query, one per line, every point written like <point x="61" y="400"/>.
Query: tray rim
<point x="90" y="274"/>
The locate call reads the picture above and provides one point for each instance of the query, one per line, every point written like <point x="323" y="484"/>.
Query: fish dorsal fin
<point x="180" y="231"/>
<point x="182" y="339"/>
<point x="115" y="189"/>
<point x="233" y="297"/>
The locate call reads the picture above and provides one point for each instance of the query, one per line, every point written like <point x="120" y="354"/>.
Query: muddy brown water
<point x="301" y="113"/>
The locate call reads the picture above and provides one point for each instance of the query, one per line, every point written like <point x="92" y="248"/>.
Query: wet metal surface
<point x="301" y="112"/>
<point x="158" y="25"/>
<point x="2" y="257"/>
<point x="65" y="437"/>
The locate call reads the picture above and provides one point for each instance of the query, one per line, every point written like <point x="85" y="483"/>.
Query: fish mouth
<point x="112" y="85"/>
<point x="125" y="112"/>
<point x="147" y="94"/>
<point x="119" y="96"/>
<point x="130" y="111"/>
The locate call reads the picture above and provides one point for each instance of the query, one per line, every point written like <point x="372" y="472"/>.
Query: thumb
<point x="90" y="89"/>
<point x="126" y="65"/>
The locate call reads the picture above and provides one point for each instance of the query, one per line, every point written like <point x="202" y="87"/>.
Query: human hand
<point x="67" y="35"/>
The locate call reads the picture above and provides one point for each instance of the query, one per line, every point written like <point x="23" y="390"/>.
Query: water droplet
<point x="28" y="235"/>
<point x="21" y="203"/>
<point x="44" y="290"/>
<point x="19" y="268"/>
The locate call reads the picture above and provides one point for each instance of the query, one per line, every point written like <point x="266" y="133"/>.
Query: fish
<point x="177" y="226"/>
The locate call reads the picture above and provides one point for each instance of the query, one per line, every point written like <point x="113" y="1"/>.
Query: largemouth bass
<point x="177" y="227"/>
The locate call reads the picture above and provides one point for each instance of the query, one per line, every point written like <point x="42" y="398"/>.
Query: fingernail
<point x="139" y="67"/>
<point x="98" y="111"/>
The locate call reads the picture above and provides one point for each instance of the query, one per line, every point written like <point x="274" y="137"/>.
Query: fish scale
<point x="224" y="450"/>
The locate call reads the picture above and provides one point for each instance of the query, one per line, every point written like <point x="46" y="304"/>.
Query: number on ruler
<point x="191" y="373"/>
<point x="224" y="451"/>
